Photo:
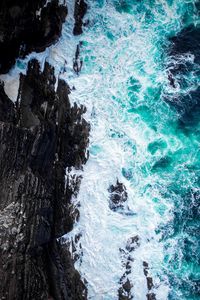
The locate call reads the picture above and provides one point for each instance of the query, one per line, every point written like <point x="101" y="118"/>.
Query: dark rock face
<point x="27" y="26"/>
<point x="80" y="10"/>
<point x="40" y="137"/>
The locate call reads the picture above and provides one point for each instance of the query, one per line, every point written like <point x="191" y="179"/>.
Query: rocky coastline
<point x="42" y="137"/>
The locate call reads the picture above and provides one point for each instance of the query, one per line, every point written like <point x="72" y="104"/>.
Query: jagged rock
<point x="124" y="292"/>
<point x="133" y="243"/>
<point x="118" y="195"/>
<point x="77" y="63"/>
<point x="171" y="80"/>
<point x="27" y="26"/>
<point x="75" y="247"/>
<point x="40" y="137"/>
<point x="150" y="285"/>
<point x="80" y="10"/>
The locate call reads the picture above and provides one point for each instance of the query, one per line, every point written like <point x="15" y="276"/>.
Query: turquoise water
<point x="145" y="133"/>
<point x="138" y="137"/>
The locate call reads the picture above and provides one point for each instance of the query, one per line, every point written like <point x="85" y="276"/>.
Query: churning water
<point x="144" y="133"/>
<point x="140" y="137"/>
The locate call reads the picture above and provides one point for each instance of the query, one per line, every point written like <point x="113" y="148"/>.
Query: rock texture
<point x="118" y="199"/>
<point x="77" y="62"/>
<point x="124" y="291"/>
<point x="40" y="138"/>
<point x="80" y="10"/>
<point x="150" y="295"/>
<point x="118" y="195"/>
<point x="27" y="26"/>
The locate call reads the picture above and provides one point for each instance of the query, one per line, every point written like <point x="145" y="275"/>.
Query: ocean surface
<point x="140" y="84"/>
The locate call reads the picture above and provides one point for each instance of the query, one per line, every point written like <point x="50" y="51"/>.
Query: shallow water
<point x="143" y="134"/>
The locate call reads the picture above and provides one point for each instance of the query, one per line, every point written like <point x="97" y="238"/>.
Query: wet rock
<point x="41" y="136"/>
<point x="118" y="195"/>
<point x="133" y="243"/>
<point x="171" y="80"/>
<point x="77" y="237"/>
<point x="80" y="10"/>
<point x="146" y="268"/>
<point x="77" y="63"/>
<point x="150" y="295"/>
<point x="76" y="248"/>
<point x="27" y="26"/>
<point x="124" y="293"/>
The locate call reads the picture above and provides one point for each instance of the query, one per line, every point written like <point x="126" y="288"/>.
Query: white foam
<point x="102" y="88"/>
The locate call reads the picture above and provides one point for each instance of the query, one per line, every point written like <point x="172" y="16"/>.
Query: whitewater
<point x="136" y="139"/>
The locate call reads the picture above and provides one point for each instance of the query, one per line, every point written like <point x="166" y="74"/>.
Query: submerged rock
<point x="40" y="137"/>
<point x="150" y="295"/>
<point x="133" y="243"/>
<point x="27" y="26"/>
<point x="124" y="291"/>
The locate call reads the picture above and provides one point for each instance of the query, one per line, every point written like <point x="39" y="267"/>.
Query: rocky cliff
<point x="42" y="137"/>
<point x="27" y="26"/>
